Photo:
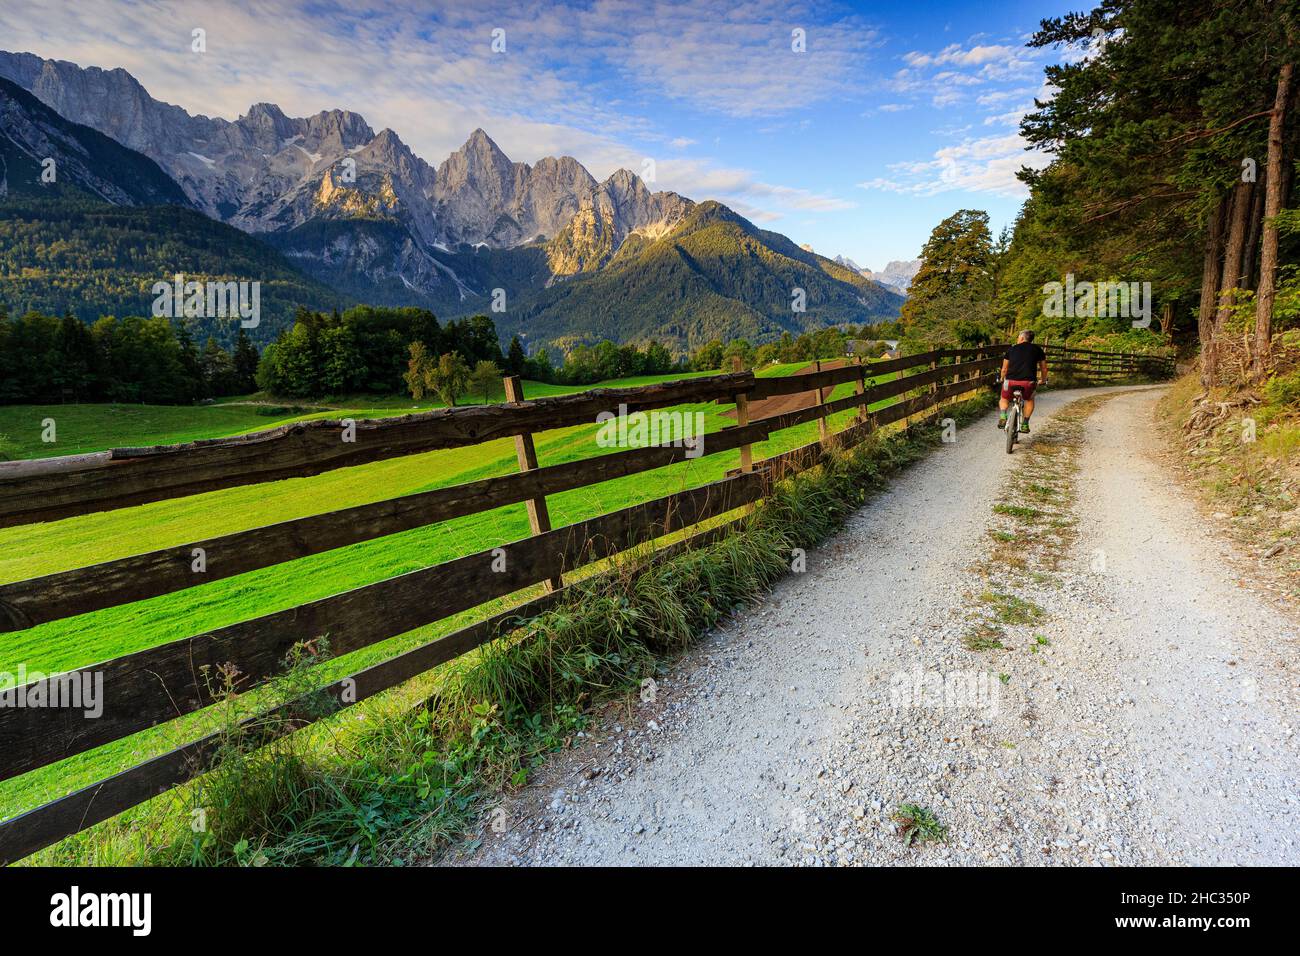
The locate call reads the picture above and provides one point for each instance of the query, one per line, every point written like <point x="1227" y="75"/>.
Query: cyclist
<point x="1023" y="367"/>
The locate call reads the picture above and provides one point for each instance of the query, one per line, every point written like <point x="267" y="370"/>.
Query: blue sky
<point x="894" y="115"/>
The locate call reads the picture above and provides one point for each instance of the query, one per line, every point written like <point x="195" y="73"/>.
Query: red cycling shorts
<point x="1026" y="388"/>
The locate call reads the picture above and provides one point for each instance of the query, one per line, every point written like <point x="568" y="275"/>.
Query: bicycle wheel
<point x="1013" y="428"/>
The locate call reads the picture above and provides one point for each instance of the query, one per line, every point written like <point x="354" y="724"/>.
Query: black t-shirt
<point x="1022" y="361"/>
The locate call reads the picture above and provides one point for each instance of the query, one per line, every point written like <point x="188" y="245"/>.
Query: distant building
<point x="871" y="348"/>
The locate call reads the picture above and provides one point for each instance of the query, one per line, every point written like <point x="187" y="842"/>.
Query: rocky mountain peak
<point x="263" y="113"/>
<point x="478" y="158"/>
<point x="897" y="275"/>
<point x="267" y="125"/>
<point x="344" y="127"/>
<point x="615" y="209"/>
<point x="32" y="134"/>
<point x="480" y="142"/>
<point x="265" y="171"/>
<point x="625" y="180"/>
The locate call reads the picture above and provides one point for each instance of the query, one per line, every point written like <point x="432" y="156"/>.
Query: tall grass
<point x="395" y="779"/>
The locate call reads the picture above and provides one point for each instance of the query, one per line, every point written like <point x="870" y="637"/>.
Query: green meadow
<point x="35" y="550"/>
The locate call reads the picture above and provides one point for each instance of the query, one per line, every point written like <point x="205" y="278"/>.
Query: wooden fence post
<point x="823" y="427"/>
<point x="934" y="386"/>
<point x="742" y="419"/>
<point x="539" y="519"/>
<point x="860" y="386"/>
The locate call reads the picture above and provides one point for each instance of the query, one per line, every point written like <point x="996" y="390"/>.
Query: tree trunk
<point x="1209" y="292"/>
<point x="1235" y="243"/>
<point x="1263" y="358"/>
<point x="1249" y="260"/>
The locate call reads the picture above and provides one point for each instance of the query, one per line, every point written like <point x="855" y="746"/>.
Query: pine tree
<point x="516" y="359"/>
<point x="1159" y="134"/>
<point x="245" y="363"/>
<point x="76" y="367"/>
<point x="188" y="355"/>
<point x="218" y="370"/>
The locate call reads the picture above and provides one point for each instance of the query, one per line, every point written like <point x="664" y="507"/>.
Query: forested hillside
<point x="95" y="259"/>
<point x="375" y="261"/>
<point x="716" y="276"/>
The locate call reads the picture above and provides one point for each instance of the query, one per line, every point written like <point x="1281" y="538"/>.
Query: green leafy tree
<point x="449" y="377"/>
<point x="658" y="360"/>
<point x="485" y="379"/>
<point x="539" y="367"/>
<point x="418" y="369"/>
<point x="189" y="357"/>
<point x="955" y="281"/>
<point x="738" y="349"/>
<point x="708" y="357"/>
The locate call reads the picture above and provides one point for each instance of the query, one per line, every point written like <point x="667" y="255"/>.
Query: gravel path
<point x="1130" y="703"/>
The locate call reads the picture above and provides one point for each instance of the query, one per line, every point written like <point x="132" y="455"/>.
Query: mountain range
<point x="897" y="275"/>
<point x="550" y="252"/>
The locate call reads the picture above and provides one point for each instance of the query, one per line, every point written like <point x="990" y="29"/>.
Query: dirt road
<point x="1121" y="699"/>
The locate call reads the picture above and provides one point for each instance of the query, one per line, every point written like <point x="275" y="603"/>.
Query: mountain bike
<point x="1015" y="414"/>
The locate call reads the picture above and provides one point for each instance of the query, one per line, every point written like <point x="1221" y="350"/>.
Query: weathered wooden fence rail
<point x="162" y="683"/>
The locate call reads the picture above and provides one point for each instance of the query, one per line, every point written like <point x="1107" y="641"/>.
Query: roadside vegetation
<point x="1240" y="449"/>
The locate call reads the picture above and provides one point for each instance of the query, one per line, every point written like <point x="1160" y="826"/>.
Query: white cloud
<point x="742" y="190"/>
<point x="570" y="82"/>
<point x="955" y="55"/>
<point x="943" y="75"/>
<point x="736" y="59"/>
<point x="986" y="165"/>
<point x="1010" y="118"/>
<point x="804" y="199"/>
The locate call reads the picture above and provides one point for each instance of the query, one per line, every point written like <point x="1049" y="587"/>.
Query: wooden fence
<point x="159" y="684"/>
<point x="1098" y="367"/>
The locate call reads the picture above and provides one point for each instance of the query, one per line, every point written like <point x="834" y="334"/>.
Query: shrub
<point x="1283" y="390"/>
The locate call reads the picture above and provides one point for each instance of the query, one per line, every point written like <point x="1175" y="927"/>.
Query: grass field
<point x="27" y="552"/>
<point x="86" y="428"/>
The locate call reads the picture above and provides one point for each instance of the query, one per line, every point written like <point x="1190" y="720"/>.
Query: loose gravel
<point x="1139" y="709"/>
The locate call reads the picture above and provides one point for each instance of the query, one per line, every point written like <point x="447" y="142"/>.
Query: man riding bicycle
<point x="1024" y="367"/>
